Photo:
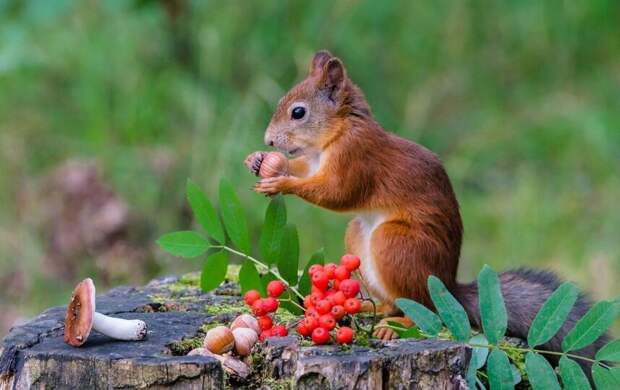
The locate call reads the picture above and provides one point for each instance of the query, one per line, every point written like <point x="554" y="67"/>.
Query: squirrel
<point x="408" y="224"/>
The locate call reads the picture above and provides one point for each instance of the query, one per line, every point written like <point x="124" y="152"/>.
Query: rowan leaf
<point x="499" y="371"/>
<point x="492" y="309"/>
<point x="186" y="244"/>
<point x="591" y="326"/>
<point x="270" y="241"/>
<point x="214" y="271"/>
<point x="204" y="212"/>
<point x="573" y="377"/>
<point x="424" y="318"/>
<point x="449" y="309"/>
<point x="233" y="216"/>
<point x="540" y="373"/>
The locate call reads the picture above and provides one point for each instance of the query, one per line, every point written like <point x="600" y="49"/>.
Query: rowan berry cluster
<point x="333" y="296"/>
<point x="263" y="309"/>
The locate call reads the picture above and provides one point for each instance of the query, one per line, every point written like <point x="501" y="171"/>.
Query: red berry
<point x="313" y="268"/>
<point x="317" y="291"/>
<point x="308" y="302"/>
<point x="336" y="285"/>
<point x="344" y="335"/>
<point x="275" y="288"/>
<point x="315" y="297"/>
<point x="251" y="297"/>
<point x="342" y="273"/>
<point x="279" y="331"/>
<point x="258" y="308"/>
<point x="270" y="304"/>
<point x="265" y="334"/>
<point x="329" y="269"/>
<point x="320" y="280"/>
<point x="310" y="323"/>
<point x="312" y="313"/>
<point x="350" y="287"/>
<point x="338" y="312"/>
<point x="320" y="336"/>
<point x="327" y="321"/>
<point x="352" y="305"/>
<point x="265" y="322"/>
<point x="352" y="262"/>
<point x="302" y="329"/>
<point x="338" y="298"/>
<point x="323" y="306"/>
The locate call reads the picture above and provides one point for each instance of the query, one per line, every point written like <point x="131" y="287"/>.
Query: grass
<point x="520" y="100"/>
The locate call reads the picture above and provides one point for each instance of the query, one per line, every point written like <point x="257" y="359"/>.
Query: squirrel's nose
<point x="268" y="141"/>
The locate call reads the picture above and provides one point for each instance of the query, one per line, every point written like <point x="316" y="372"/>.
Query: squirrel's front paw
<point x="272" y="185"/>
<point x="253" y="162"/>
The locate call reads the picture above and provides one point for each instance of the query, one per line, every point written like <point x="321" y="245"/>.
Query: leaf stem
<point x="541" y="351"/>
<point x="261" y="264"/>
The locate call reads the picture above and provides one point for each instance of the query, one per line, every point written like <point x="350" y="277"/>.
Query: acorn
<point x="219" y="340"/>
<point x="245" y="338"/>
<point x="273" y="164"/>
<point x="245" y="321"/>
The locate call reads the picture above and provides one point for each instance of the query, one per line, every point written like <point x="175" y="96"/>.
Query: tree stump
<point x="34" y="355"/>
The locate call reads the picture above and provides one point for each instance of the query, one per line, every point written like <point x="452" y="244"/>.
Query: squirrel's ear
<point x="320" y="58"/>
<point x="332" y="79"/>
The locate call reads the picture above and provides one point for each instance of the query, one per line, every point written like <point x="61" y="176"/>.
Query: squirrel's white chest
<point x="369" y="222"/>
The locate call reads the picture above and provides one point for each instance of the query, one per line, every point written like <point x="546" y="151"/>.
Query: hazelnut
<point x="245" y="338"/>
<point x="273" y="164"/>
<point x="245" y="321"/>
<point x="219" y="340"/>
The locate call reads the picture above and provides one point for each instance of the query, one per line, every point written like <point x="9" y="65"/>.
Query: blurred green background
<point x="107" y="107"/>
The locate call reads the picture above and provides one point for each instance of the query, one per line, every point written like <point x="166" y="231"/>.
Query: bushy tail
<point x="525" y="291"/>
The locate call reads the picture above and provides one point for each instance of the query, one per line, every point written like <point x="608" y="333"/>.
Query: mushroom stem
<point x="118" y="328"/>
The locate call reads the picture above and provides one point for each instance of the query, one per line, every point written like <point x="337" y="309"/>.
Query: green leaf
<point x="289" y="255"/>
<point x="606" y="379"/>
<point x="573" y="377"/>
<point x="305" y="284"/>
<point x="479" y="354"/>
<point x="610" y="352"/>
<point x="288" y="306"/>
<point x="204" y="212"/>
<point x="425" y="319"/>
<point x="492" y="310"/>
<point x="266" y="278"/>
<point x="273" y="230"/>
<point x="184" y="244"/>
<point x="552" y="314"/>
<point x="233" y="216"/>
<point x="499" y="371"/>
<point x="249" y="279"/>
<point x="449" y="309"/>
<point x="404" y="332"/>
<point x="478" y="358"/>
<point x="540" y="373"/>
<point x="591" y="326"/>
<point x="214" y="271"/>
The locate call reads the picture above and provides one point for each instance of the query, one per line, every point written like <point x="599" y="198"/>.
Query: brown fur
<point x="364" y="169"/>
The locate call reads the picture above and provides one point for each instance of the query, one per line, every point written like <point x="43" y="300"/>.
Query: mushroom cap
<point x="80" y="313"/>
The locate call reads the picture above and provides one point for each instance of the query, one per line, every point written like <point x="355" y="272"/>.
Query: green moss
<point x="184" y="346"/>
<point x="279" y="384"/>
<point x="232" y="273"/>
<point x="224" y="308"/>
<point x="191" y="279"/>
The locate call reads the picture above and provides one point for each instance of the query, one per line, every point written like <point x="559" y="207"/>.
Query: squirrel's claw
<point x="270" y="185"/>
<point x="254" y="161"/>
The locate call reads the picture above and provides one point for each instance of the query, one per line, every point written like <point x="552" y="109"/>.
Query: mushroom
<point x="82" y="318"/>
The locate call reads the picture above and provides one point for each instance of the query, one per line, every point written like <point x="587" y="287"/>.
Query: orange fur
<point x="365" y="169"/>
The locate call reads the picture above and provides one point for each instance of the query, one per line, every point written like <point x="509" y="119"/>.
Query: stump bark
<point x="34" y="355"/>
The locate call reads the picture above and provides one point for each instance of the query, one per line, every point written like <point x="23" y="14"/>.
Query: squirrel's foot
<point x="272" y="185"/>
<point x="385" y="333"/>
<point x="253" y="162"/>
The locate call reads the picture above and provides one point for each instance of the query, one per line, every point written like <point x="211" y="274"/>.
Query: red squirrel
<point x="407" y="223"/>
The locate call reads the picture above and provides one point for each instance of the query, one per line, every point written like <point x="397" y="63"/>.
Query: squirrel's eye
<point x="298" y="112"/>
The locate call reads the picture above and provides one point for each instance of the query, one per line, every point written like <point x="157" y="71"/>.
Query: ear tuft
<point x="332" y="80"/>
<point x="319" y="60"/>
